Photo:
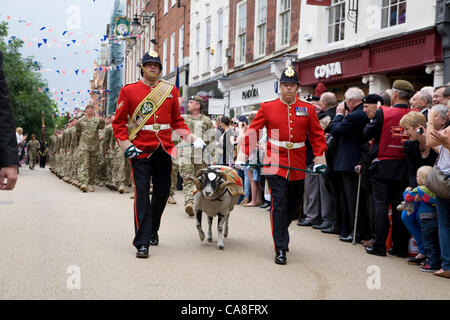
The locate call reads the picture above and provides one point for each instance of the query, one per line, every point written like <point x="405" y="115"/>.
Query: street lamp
<point x="136" y="26"/>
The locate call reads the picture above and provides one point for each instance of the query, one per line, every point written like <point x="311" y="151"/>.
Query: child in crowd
<point x="426" y="210"/>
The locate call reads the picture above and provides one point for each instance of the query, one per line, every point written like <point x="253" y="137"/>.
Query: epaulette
<point x="165" y="81"/>
<point x="272" y="100"/>
<point x="130" y="83"/>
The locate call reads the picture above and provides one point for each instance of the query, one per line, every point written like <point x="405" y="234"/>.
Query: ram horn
<point x="223" y="185"/>
<point x="197" y="182"/>
<point x="200" y="172"/>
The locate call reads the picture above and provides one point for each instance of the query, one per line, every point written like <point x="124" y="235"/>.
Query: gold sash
<point x="148" y="107"/>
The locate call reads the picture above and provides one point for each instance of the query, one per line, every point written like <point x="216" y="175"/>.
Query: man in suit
<point x="8" y="142"/>
<point x="347" y="128"/>
<point x="421" y="101"/>
<point x="389" y="169"/>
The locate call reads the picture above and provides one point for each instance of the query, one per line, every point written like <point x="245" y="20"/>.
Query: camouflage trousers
<point x="32" y="159"/>
<point x="120" y="169"/>
<point x="189" y="187"/>
<point x="88" y="166"/>
<point x="173" y="178"/>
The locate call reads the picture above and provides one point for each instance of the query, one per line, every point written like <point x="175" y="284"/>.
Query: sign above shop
<point x="251" y="93"/>
<point x="328" y="70"/>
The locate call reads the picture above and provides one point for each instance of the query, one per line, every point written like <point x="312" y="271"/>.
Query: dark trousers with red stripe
<point x="286" y="201"/>
<point x="147" y="213"/>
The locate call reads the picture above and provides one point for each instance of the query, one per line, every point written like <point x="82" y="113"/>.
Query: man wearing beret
<point x="288" y="120"/>
<point x="147" y="112"/>
<point x="389" y="169"/>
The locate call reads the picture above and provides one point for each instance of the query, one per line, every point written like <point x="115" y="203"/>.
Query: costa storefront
<point x="375" y="65"/>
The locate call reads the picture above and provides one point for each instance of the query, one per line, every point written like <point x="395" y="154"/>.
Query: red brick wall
<point x="168" y="23"/>
<point x="270" y="28"/>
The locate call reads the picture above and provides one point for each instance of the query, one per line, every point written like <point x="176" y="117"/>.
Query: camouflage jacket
<point x="87" y="131"/>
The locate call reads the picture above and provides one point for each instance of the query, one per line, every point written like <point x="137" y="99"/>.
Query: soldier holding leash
<point x="288" y="121"/>
<point x="147" y="112"/>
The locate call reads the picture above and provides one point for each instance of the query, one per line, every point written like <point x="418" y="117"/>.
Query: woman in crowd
<point x="441" y="139"/>
<point x="417" y="154"/>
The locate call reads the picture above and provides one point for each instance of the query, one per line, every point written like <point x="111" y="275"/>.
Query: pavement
<point x="59" y="243"/>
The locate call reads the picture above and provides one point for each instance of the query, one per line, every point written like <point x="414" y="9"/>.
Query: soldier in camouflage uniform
<point x="87" y="130"/>
<point x="51" y="153"/>
<point x="33" y="150"/>
<point x="68" y="155"/>
<point x="108" y="139"/>
<point x="191" y="161"/>
<point x="73" y="149"/>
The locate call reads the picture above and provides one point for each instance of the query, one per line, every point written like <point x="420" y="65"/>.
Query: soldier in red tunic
<point x="147" y="112"/>
<point x="289" y="122"/>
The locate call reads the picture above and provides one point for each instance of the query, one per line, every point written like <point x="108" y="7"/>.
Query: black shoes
<point x="280" y="257"/>
<point x="142" y="252"/>
<point x="154" y="240"/>
<point x="331" y="230"/>
<point x="323" y="225"/>
<point x="393" y="252"/>
<point x="371" y="250"/>
<point x="265" y="205"/>
<point x="348" y="238"/>
<point x="305" y="223"/>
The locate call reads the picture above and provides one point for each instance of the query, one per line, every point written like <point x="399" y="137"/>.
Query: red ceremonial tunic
<point x="168" y="113"/>
<point x="288" y="123"/>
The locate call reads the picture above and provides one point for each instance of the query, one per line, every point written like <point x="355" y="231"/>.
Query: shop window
<point x="284" y="20"/>
<point x="393" y="12"/>
<point x="261" y="22"/>
<point x="241" y="25"/>
<point x="336" y="21"/>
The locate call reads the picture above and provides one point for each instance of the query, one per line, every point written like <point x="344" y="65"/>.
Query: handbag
<point x="438" y="182"/>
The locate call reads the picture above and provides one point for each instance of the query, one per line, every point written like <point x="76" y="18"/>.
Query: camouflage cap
<point x="198" y="99"/>
<point x="403" y="85"/>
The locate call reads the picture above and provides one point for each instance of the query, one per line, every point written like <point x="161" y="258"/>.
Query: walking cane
<point x="356" y="211"/>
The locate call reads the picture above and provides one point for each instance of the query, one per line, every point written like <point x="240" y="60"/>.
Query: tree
<point x="23" y="83"/>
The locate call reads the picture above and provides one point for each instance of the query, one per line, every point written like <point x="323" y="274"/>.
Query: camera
<point x="419" y="130"/>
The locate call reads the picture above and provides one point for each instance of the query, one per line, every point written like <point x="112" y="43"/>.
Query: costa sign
<point x="328" y="70"/>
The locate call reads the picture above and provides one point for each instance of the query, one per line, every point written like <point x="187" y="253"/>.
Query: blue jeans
<point x="430" y="239"/>
<point x="242" y="175"/>
<point x="412" y="223"/>
<point x="443" y="211"/>
<point x="247" y="189"/>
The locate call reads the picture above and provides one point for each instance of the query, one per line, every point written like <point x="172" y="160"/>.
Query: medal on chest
<point x="301" y="111"/>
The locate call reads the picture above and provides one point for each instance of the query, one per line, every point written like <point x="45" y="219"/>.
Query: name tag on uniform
<point x="301" y="111"/>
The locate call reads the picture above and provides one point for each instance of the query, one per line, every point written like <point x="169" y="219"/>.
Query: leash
<point x="321" y="169"/>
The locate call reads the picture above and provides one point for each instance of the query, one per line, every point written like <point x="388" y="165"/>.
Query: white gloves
<point x="320" y="169"/>
<point x="199" y="143"/>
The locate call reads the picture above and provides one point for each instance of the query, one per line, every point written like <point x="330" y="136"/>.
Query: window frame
<point x="239" y="49"/>
<point x="388" y="7"/>
<point x="333" y="24"/>
<point x="258" y="25"/>
<point x="279" y="36"/>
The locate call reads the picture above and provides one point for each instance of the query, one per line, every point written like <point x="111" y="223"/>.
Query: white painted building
<point x="381" y="41"/>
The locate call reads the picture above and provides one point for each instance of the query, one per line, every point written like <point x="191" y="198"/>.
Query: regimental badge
<point x="153" y="54"/>
<point x="301" y="111"/>
<point x="289" y="72"/>
<point x="147" y="107"/>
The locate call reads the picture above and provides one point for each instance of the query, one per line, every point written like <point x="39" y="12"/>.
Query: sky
<point x="64" y="36"/>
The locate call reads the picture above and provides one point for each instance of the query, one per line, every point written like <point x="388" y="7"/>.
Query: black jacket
<point x="8" y="141"/>
<point x="348" y="132"/>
